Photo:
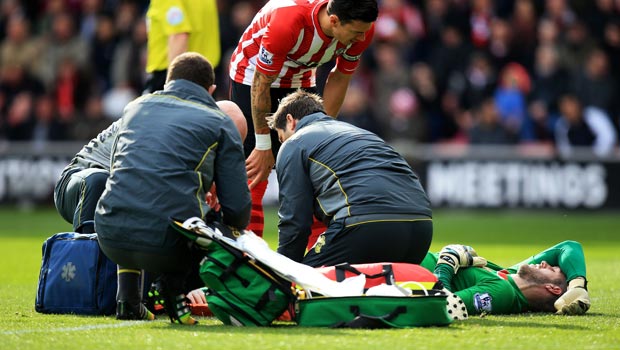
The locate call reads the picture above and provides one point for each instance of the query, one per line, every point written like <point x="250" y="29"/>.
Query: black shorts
<point x="372" y="242"/>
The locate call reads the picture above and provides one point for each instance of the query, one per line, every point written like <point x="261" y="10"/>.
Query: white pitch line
<point x="74" y="329"/>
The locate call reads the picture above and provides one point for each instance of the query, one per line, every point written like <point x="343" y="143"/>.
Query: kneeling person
<point x="170" y="147"/>
<point x="370" y="199"/>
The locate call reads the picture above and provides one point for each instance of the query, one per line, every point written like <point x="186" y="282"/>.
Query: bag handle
<point x="342" y="268"/>
<point x="371" y="322"/>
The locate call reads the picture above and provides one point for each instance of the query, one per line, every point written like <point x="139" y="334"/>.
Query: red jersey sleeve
<point x="280" y="36"/>
<point x="350" y="59"/>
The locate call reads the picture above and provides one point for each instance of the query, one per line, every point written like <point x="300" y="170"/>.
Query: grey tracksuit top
<point x="96" y="153"/>
<point x="337" y="170"/>
<point x="170" y="146"/>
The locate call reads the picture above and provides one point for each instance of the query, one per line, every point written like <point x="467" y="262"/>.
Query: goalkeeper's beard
<point x="533" y="276"/>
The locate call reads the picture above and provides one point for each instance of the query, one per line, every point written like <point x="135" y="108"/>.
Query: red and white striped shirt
<point x="285" y="38"/>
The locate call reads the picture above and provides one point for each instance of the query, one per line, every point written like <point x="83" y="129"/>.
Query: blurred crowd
<point x="452" y="71"/>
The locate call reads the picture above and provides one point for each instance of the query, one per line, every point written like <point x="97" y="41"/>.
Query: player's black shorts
<point x="371" y="242"/>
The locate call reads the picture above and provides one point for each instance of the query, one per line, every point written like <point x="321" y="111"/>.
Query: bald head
<point x="234" y="112"/>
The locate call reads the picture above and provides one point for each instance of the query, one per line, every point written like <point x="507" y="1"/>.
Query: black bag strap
<point x="231" y="269"/>
<point x="269" y="295"/>
<point x="342" y="268"/>
<point x="371" y="322"/>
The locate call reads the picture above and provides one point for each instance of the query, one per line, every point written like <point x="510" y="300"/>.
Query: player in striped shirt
<point x="278" y="53"/>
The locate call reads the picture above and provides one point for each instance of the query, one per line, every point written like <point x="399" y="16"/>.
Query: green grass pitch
<point x="504" y="237"/>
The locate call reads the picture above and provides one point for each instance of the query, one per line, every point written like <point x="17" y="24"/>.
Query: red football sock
<point x="257" y="219"/>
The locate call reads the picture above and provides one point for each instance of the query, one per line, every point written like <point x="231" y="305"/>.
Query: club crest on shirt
<point x="482" y="302"/>
<point x="174" y="15"/>
<point x="265" y="56"/>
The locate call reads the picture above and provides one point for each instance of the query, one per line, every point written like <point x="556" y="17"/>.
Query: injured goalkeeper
<point x="553" y="280"/>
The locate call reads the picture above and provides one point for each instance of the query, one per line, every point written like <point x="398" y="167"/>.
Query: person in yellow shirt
<point x="177" y="26"/>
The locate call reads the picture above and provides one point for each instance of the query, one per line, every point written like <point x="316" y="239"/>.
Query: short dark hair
<point x="191" y="66"/>
<point x="547" y="303"/>
<point x="354" y="10"/>
<point x="298" y="104"/>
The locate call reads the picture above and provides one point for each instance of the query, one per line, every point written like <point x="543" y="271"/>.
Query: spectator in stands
<point x="580" y="126"/>
<point x="89" y="18"/>
<point x="549" y="81"/>
<point x="399" y="22"/>
<point x="510" y="98"/>
<point x="447" y="58"/>
<point x="548" y="33"/>
<point x="18" y="121"/>
<point x="44" y="20"/>
<point x="479" y="80"/>
<point x="500" y="48"/>
<point x="488" y="127"/>
<point x="71" y="88"/>
<point x="422" y="82"/>
<point x="576" y="46"/>
<point x="435" y="13"/>
<point x="481" y="16"/>
<point x="612" y="49"/>
<point x="126" y="14"/>
<point x="560" y="13"/>
<point x="549" y="78"/>
<point x="405" y="119"/>
<point x="234" y="19"/>
<point x="611" y="46"/>
<point x="102" y="48"/>
<point x="60" y="44"/>
<point x="48" y="126"/>
<point x="523" y="22"/>
<point x="129" y="62"/>
<point x="601" y="13"/>
<point x="594" y="84"/>
<point x="389" y="75"/>
<point x="18" y="47"/>
<point x="16" y="86"/>
<point x="9" y="8"/>
<point x="356" y="109"/>
<point x="91" y="120"/>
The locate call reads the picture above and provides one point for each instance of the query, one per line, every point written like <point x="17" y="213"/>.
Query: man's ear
<point x="553" y="289"/>
<point x="292" y="120"/>
<point x="211" y="89"/>
<point x="333" y="20"/>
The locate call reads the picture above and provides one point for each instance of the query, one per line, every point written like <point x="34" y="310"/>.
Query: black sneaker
<point x="175" y="303"/>
<point x="154" y="301"/>
<point x="126" y="310"/>
<point x="179" y="311"/>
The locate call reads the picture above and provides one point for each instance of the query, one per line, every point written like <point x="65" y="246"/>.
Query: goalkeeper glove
<point x="576" y="300"/>
<point x="455" y="305"/>
<point x="458" y="255"/>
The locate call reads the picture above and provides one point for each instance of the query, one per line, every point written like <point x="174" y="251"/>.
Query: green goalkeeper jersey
<point x="492" y="290"/>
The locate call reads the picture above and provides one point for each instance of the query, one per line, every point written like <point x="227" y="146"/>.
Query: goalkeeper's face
<point x="542" y="273"/>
